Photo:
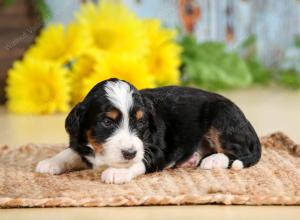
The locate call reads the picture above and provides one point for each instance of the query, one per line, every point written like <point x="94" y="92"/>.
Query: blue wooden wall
<point x="275" y="23"/>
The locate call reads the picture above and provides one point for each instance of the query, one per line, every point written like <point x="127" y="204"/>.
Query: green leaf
<point x="289" y="78"/>
<point x="43" y="9"/>
<point x="250" y="41"/>
<point x="297" y="41"/>
<point x="261" y="74"/>
<point x="209" y="66"/>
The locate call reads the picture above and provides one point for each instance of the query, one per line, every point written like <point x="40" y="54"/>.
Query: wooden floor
<point x="210" y="212"/>
<point x="268" y="110"/>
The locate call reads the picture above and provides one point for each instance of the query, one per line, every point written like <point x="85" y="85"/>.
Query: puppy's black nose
<point x="129" y="153"/>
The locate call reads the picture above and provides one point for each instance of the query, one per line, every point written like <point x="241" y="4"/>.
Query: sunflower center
<point x="157" y="62"/>
<point x="44" y="94"/>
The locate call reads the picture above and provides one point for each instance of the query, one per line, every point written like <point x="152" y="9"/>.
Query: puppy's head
<point x="109" y="126"/>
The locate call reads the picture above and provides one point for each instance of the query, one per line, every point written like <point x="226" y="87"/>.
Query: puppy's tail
<point x="252" y="157"/>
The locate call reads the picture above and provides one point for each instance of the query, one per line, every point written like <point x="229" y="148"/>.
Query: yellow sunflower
<point x="37" y="86"/>
<point x="84" y="66"/>
<point x="164" y="54"/>
<point x="113" y="28"/>
<point x="130" y="68"/>
<point x="59" y="44"/>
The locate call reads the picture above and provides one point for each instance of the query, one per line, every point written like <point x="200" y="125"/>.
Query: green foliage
<point x="289" y="75"/>
<point x="260" y="73"/>
<point x="43" y="9"/>
<point x="297" y="41"/>
<point x="249" y="42"/>
<point x="289" y="78"/>
<point x="40" y="5"/>
<point x="209" y="66"/>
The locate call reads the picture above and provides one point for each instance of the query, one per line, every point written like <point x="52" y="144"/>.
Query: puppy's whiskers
<point x="148" y="155"/>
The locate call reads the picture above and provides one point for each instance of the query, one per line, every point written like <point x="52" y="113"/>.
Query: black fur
<point x="175" y="125"/>
<point x="186" y="115"/>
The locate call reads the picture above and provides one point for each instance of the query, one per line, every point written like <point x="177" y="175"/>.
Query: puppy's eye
<point x="107" y="123"/>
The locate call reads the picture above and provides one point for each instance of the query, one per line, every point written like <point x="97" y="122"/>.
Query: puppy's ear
<point x="74" y="120"/>
<point x="153" y="120"/>
<point x="148" y="104"/>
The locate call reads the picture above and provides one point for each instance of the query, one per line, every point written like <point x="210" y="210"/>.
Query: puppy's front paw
<point x="51" y="166"/>
<point x="117" y="176"/>
<point x="215" y="161"/>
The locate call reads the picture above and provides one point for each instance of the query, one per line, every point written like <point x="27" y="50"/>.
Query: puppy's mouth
<point x="122" y="164"/>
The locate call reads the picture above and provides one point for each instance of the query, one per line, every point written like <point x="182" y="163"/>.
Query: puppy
<point x="136" y="132"/>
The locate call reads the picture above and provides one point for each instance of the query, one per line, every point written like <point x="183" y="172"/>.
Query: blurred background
<point x="54" y="51"/>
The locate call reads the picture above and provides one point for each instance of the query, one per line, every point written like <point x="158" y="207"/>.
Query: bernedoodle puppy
<point x="134" y="132"/>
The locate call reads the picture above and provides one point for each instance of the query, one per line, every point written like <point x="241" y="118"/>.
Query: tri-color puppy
<point x="135" y="132"/>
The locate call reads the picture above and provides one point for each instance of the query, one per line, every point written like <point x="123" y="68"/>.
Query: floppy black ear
<point x="74" y="120"/>
<point x="153" y="120"/>
<point x="148" y="104"/>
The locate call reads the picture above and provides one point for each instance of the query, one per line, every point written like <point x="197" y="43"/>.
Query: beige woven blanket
<point x="274" y="180"/>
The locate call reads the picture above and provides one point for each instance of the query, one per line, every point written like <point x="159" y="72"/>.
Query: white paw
<point x="116" y="175"/>
<point x="51" y="166"/>
<point x="237" y="165"/>
<point x="215" y="161"/>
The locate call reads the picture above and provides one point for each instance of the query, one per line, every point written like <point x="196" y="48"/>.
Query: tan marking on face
<point x="139" y="114"/>
<point x="98" y="148"/>
<point x="112" y="114"/>
<point x="213" y="136"/>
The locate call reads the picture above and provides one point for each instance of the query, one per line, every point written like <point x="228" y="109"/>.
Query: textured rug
<point x="274" y="180"/>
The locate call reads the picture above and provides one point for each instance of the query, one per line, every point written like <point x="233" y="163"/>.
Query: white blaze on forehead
<point x="120" y="95"/>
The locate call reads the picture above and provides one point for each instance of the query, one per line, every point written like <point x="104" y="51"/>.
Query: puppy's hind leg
<point x="64" y="161"/>
<point x="244" y="152"/>
<point x="192" y="162"/>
